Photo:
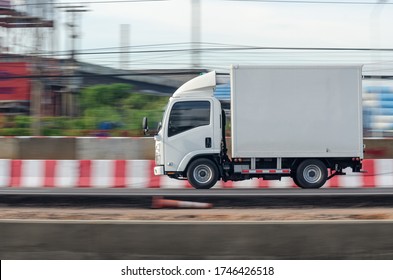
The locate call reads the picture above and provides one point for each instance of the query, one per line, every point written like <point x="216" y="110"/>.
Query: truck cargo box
<point x="296" y="111"/>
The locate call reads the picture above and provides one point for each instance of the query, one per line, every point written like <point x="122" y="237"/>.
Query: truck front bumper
<point x="159" y="170"/>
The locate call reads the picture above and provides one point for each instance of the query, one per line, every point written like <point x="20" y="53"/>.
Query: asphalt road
<point x="197" y="193"/>
<point x="116" y="223"/>
<point x="287" y="198"/>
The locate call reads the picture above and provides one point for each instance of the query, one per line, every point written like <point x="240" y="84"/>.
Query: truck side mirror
<point x="145" y="126"/>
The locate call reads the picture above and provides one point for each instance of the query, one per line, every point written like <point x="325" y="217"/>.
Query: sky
<point x="233" y="24"/>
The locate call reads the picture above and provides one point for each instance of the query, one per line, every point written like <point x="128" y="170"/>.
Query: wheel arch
<point x="212" y="157"/>
<point x="298" y="161"/>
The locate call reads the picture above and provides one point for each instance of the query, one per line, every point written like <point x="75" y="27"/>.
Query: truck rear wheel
<point x="311" y="174"/>
<point x="202" y="173"/>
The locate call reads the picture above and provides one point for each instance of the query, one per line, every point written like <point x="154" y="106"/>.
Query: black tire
<point x="202" y="173"/>
<point x="295" y="180"/>
<point x="311" y="174"/>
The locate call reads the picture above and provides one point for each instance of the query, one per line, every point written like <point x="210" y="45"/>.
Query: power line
<point x="213" y="53"/>
<point x="134" y="73"/>
<point x="240" y="49"/>
<point x="262" y="1"/>
<point x="227" y="55"/>
<point x="86" y="2"/>
<point x="220" y="49"/>
<point x="315" y="2"/>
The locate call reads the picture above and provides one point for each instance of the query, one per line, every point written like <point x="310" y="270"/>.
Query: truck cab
<point x="191" y="132"/>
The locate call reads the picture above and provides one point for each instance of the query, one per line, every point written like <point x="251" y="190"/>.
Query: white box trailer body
<point x="312" y="111"/>
<point x="303" y="122"/>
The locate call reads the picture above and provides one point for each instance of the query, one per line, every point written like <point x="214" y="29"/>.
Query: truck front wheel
<point x="202" y="173"/>
<point x="311" y="174"/>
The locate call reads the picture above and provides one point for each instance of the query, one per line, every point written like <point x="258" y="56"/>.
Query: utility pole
<point x="36" y="88"/>
<point x="195" y="33"/>
<point x="68" y="98"/>
<point x="124" y="46"/>
<point x="37" y="84"/>
<point x="73" y="11"/>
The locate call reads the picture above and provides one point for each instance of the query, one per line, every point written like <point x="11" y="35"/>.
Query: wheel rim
<point x="203" y="174"/>
<point x="312" y="174"/>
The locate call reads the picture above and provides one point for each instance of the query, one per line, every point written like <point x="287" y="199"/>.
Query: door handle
<point x="208" y="142"/>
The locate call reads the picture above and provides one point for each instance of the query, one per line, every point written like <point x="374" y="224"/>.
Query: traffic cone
<point x="159" y="202"/>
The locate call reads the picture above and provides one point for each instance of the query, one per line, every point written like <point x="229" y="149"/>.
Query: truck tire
<point x="311" y="174"/>
<point x="202" y="173"/>
<point x="295" y="180"/>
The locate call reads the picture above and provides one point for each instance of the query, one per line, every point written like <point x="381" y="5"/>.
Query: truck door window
<point x="187" y="115"/>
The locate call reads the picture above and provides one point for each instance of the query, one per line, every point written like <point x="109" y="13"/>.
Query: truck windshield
<point x="186" y="115"/>
<point x="159" y="126"/>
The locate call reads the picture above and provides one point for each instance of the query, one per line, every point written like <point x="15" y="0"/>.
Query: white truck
<point x="304" y="122"/>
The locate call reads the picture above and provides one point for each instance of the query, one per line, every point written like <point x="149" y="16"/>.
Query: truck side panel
<point x="296" y="111"/>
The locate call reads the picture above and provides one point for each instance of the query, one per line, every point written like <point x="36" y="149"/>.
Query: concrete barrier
<point x="139" y="174"/>
<point x="125" y="148"/>
<point x="195" y="240"/>
<point x="9" y="148"/>
<point x="114" y="148"/>
<point x="46" y="148"/>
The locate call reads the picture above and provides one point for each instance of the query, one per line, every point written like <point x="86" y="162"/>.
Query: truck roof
<point x="202" y="85"/>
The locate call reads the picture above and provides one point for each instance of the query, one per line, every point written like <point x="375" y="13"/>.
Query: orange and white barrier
<point x="139" y="174"/>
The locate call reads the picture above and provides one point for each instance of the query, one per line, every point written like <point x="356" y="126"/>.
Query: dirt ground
<point x="75" y="213"/>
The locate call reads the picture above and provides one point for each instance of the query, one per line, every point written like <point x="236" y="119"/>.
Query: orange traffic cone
<point x="159" y="202"/>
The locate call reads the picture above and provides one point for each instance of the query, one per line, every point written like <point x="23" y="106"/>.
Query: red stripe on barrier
<point x="16" y="173"/>
<point x="49" y="180"/>
<point x="263" y="184"/>
<point x="188" y="185"/>
<point x="120" y="174"/>
<point x="154" y="181"/>
<point x="293" y="184"/>
<point x="334" y="181"/>
<point x="227" y="185"/>
<point x="369" y="177"/>
<point x="84" y="179"/>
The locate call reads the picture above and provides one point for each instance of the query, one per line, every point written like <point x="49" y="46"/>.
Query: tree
<point x="104" y="95"/>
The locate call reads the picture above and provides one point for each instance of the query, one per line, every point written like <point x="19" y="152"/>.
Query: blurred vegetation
<point x="106" y="110"/>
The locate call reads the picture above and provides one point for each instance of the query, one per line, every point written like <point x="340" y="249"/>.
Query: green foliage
<point x="143" y="101"/>
<point x="116" y="103"/>
<point x="22" y="121"/>
<point x="15" y="131"/>
<point x="104" y="95"/>
<point x="94" y="116"/>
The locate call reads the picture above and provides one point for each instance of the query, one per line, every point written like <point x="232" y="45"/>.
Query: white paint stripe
<point x="218" y="185"/>
<point x="5" y="172"/>
<point x="137" y="172"/>
<point x="169" y="183"/>
<point x="66" y="173"/>
<point x="350" y="180"/>
<point x="246" y="184"/>
<point x="32" y="173"/>
<point x="383" y="172"/>
<point x="286" y="182"/>
<point x="102" y="173"/>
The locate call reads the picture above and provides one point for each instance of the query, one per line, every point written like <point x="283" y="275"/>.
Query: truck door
<point x="189" y="132"/>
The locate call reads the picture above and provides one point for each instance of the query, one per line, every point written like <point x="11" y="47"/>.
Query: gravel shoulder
<point x="221" y="214"/>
